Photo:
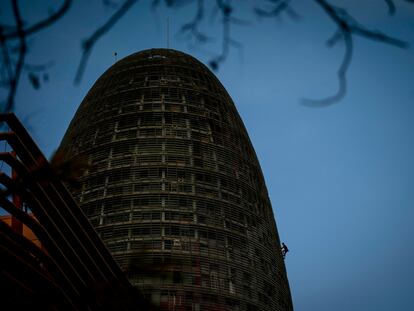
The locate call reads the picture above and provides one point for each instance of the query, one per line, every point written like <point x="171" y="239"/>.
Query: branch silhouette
<point x="279" y="7"/>
<point x="7" y="73"/>
<point x="47" y="22"/>
<point x="15" y="77"/>
<point x="192" y="27"/>
<point x="347" y="27"/>
<point x="90" y="42"/>
<point x="391" y="7"/>
<point x="226" y="11"/>
<point x="13" y="38"/>
<point x="13" y="70"/>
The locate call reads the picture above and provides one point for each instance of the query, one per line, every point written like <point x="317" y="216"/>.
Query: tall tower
<point x="174" y="182"/>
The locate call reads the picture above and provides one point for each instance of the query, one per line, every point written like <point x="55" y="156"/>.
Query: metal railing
<point x="72" y="269"/>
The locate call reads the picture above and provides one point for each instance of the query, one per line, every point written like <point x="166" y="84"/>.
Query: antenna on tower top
<point x="168" y="32"/>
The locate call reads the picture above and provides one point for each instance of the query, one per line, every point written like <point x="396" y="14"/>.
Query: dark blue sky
<point x="340" y="178"/>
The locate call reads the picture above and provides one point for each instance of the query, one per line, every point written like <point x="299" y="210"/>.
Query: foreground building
<point x="174" y="187"/>
<point x="21" y="228"/>
<point x="51" y="257"/>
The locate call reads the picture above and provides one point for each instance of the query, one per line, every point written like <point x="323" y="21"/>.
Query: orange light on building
<point x="22" y="229"/>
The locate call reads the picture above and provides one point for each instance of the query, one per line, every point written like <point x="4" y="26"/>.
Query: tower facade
<point x="174" y="187"/>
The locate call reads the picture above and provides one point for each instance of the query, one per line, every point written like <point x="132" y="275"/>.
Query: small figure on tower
<point x="284" y="249"/>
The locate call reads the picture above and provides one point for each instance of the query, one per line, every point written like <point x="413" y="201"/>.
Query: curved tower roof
<point x="174" y="182"/>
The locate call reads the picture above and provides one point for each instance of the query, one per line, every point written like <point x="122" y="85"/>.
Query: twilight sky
<point x="340" y="178"/>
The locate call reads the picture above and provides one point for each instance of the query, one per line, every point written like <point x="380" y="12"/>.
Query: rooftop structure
<point x="174" y="183"/>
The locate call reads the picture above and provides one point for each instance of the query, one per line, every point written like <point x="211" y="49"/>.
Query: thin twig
<point x="42" y="24"/>
<point x="89" y="43"/>
<point x="347" y="27"/>
<point x="378" y="36"/>
<point x="341" y="73"/>
<point x="391" y="7"/>
<point x="279" y="7"/>
<point x="334" y="39"/>
<point x="226" y="11"/>
<point x="192" y="26"/>
<point x="6" y="58"/>
<point x="14" y="81"/>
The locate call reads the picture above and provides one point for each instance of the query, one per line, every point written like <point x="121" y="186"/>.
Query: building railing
<point x="72" y="269"/>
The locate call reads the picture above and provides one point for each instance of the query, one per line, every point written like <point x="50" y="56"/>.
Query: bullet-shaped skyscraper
<point x="174" y="183"/>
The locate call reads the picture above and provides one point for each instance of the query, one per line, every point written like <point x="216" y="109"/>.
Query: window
<point x="168" y="244"/>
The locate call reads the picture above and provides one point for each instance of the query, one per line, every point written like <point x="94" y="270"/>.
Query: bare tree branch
<point x="335" y="38"/>
<point x="347" y="23"/>
<point x="89" y="43"/>
<point x="192" y="26"/>
<point x="18" y="32"/>
<point x="225" y="10"/>
<point x="280" y="6"/>
<point x="391" y="7"/>
<point x="14" y="47"/>
<point x="341" y="73"/>
<point x="7" y="64"/>
<point x="378" y="36"/>
<point x="177" y="3"/>
<point x="42" y="24"/>
<point x="14" y="81"/>
<point x="347" y="27"/>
